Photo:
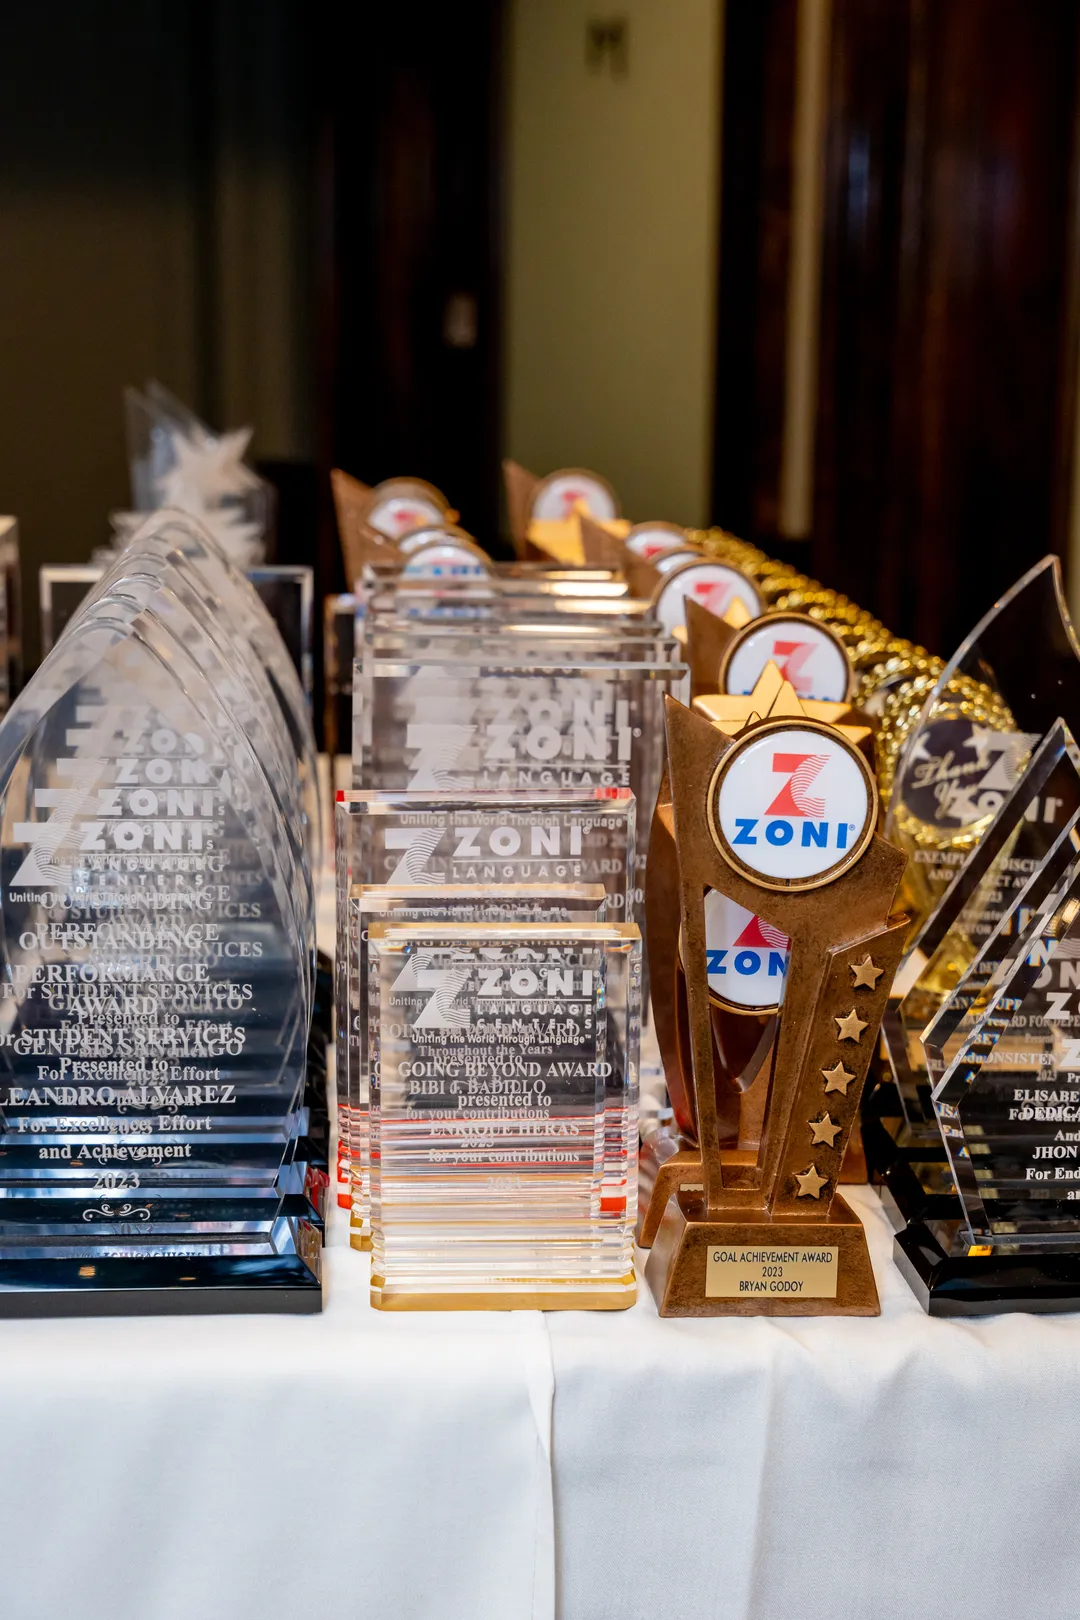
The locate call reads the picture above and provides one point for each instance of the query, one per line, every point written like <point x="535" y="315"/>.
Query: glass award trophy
<point x="770" y="896"/>
<point x="983" y="890"/>
<point x="158" y="956"/>
<point x="463" y="902"/>
<point x="494" y="1048"/>
<point x="177" y="461"/>
<point x="1005" y="1050"/>
<point x="397" y="842"/>
<point x="950" y="751"/>
<point x="975" y="728"/>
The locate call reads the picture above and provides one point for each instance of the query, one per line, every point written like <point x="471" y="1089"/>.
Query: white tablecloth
<point x="400" y="1466"/>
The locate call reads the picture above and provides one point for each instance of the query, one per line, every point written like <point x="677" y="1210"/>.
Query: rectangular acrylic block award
<point x="494" y="1048"/>
<point x="482" y="903"/>
<point x="487" y="840"/>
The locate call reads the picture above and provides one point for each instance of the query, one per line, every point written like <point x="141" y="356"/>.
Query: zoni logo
<point x="810" y="660"/>
<point x="800" y="770"/>
<point x="746" y="958"/>
<point x="790" y="657"/>
<point x="792" y="803"/>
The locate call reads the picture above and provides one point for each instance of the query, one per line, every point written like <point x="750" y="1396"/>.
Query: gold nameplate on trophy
<point x="777" y="1273"/>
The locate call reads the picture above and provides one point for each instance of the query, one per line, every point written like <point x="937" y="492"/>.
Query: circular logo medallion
<point x="427" y="534"/>
<point x="442" y="558"/>
<point x="559" y="493"/>
<point x="746" y="958"/>
<point x="651" y="540"/>
<point x="792" y="805"/>
<point x="810" y="657"/>
<point x="397" y="514"/>
<point x="958" y="773"/>
<point x="713" y="584"/>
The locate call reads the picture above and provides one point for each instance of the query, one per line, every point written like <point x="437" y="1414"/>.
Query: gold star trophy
<point x="771" y="809"/>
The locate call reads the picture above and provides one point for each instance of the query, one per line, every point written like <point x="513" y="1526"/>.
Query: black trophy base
<point x="947" y="1280"/>
<point x="888" y="1136"/>
<point x="914" y="1190"/>
<point x="209" y="1286"/>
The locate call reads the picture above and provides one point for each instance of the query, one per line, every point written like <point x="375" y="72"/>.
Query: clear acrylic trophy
<point x="463" y="902"/>
<point x="1005" y="1049"/>
<point x="158" y="945"/>
<point x="1017" y="844"/>
<point x="952" y="746"/>
<point x="494" y="1048"/>
<point x="391" y="843"/>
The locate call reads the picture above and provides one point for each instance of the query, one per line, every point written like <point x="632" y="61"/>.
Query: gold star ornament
<point x="864" y="974"/>
<point x="810" y="1183"/>
<point x="850" y="1027"/>
<point x="823" y="1131"/>
<point x="774" y="698"/>
<point x="837" y="1079"/>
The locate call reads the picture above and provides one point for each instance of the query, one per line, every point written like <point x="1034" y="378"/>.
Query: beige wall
<point x="611" y="250"/>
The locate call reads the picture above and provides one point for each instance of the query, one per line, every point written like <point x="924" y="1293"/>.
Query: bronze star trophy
<point x="778" y="820"/>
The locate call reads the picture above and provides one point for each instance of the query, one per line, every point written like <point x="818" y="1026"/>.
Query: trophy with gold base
<point x="769" y="835"/>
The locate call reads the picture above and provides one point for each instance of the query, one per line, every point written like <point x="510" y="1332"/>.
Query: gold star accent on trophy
<point x="850" y="1027"/>
<point x="864" y="974"/>
<point x="810" y="1183"/>
<point x="837" y="1078"/>
<point x="773" y="698"/>
<point x="823" y="1130"/>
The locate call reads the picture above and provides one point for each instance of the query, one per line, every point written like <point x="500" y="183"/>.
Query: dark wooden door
<point x="411" y="288"/>
<point x="947" y="339"/>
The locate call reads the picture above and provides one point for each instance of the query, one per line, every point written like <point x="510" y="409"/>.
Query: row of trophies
<point x="856" y="869"/>
<point x="673" y="893"/>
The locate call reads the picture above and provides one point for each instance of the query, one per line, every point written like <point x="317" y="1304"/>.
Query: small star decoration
<point x="850" y="1027"/>
<point x="837" y="1078"/>
<point x="823" y="1130"/>
<point x="864" y="974"/>
<point x="810" y="1183"/>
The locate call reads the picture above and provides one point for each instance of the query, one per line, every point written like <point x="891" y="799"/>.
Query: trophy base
<point x="174" y="1286"/>
<point x="914" y="1190"/>
<point x="947" y="1279"/>
<point x="680" y="1274"/>
<point x="542" y="1295"/>
<point x="888" y="1136"/>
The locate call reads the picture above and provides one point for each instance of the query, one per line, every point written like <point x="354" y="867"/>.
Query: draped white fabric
<point x="818" y="1468"/>
<point x="401" y="1466"/>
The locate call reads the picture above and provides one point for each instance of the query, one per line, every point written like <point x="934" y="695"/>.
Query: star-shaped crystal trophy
<point x="951" y="749"/>
<point x="177" y="461"/>
<point x="775" y="818"/>
<point x="1004" y="1051"/>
